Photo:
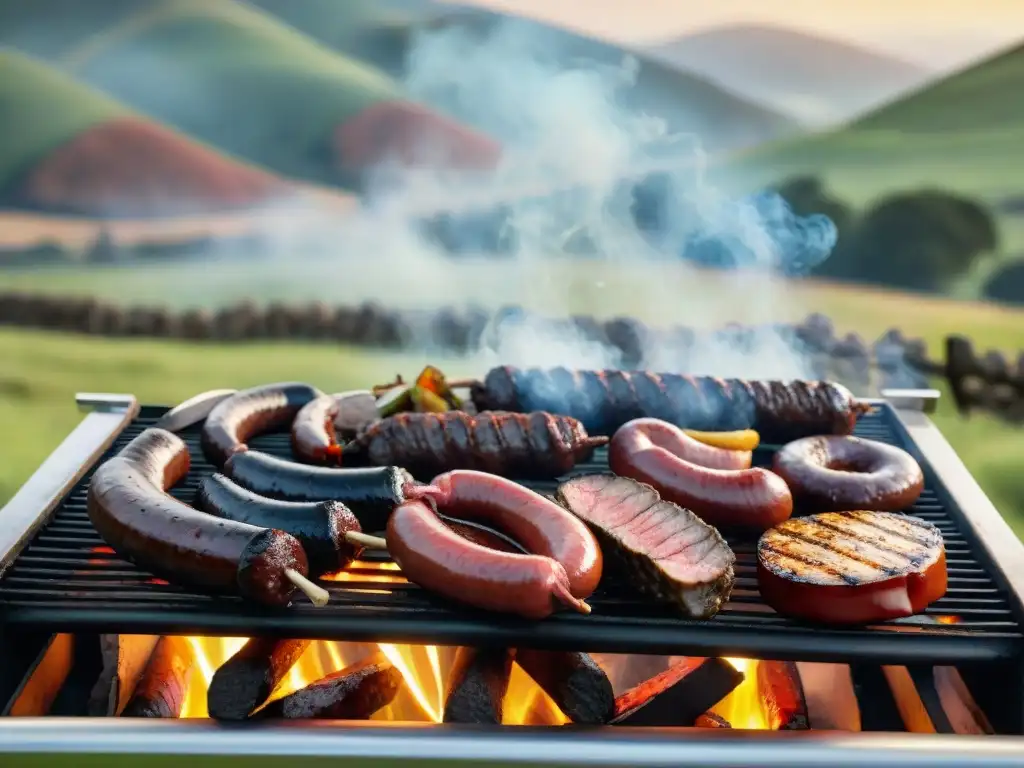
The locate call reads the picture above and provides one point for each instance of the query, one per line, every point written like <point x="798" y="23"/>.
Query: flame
<point x="743" y="708"/>
<point x="423" y="668"/>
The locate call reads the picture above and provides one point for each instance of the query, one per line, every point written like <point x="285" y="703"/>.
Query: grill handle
<point x="921" y="400"/>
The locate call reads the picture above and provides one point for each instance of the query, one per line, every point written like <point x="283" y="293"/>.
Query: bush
<point x="1006" y="284"/>
<point x="918" y="241"/>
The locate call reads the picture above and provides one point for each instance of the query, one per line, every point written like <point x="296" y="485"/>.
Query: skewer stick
<point x="317" y="595"/>
<point x="365" y="540"/>
<point x="463" y="383"/>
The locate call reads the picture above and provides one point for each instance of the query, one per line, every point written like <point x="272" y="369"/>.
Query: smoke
<point x="583" y="179"/>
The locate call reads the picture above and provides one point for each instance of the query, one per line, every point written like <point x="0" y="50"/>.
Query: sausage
<point x="833" y="474"/>
<point x="748" y="499"/>
<point x="605" y="400"/>
<point x="540" y="525"/>
<point x="370" y="492"/>
<point x="320" y="526"/>
<point x="235" y="421"/>
<point x="356" y="411"/>
<point x="130" y="508"/>
<point x="314" y="439"/>
<point x="661" y="434"/>
<point x="435" y="557"/>
<point x="485" y="537"/>
<point x="161" y="689"/>
<point x="353" y="693"/>
<point x="477" y="684"/>
<point x="574" y="681"/>
<point x="245" y="681"/>
<point x="533" y="445"/>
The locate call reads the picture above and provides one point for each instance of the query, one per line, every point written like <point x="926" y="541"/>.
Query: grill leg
<point x="19" y="652"/>
<point x="990" y="685"/>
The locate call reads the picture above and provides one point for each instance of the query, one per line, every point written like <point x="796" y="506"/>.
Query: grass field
<point x="963" y="133"/>
<point x="43" y="371"/>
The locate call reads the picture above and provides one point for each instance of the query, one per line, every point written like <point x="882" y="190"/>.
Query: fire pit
<point x="78" y="626"/>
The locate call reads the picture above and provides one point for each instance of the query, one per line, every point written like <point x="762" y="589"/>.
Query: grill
<point x="64" y="581"/>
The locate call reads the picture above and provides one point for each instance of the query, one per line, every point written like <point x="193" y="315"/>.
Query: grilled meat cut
<point x="522" y="445"/>
<point x="664" y="550"/>
<point x="851" y="567"/>
<point x="605" y="400"/>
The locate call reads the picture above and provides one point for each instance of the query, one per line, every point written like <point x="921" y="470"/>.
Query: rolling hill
<point x="821" y="81"/>
<point x="69" y="149"/>
<point x="963" y="132"/>
<point x="238" y="79"/>
<point x="383" y="34"/>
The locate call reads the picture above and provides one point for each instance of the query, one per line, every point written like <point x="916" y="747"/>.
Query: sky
<point x="942" y="34"/>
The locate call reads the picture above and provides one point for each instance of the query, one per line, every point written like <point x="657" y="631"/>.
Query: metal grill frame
<point x="114" y="742"/>
<point x="991" y="538"/>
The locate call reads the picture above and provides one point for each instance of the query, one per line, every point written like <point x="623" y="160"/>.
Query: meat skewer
<point x="477" y="684"/>
<point x="246" y="680"/>
<point x="605" y="400"/>
<point x="522" y="445"/>
<point x="353" y="693"/>
<point x="161" y="690"/>
<point x="370" y="492"/>
<point x="320" y="526"/>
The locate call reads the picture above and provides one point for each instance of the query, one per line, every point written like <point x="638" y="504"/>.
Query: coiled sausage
<point x="540" y="525"/>
<point x="437" y="558"/>
<point x="235" y="421"/>
<point x="751" y="499"/>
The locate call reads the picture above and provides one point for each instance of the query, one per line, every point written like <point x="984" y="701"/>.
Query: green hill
<point x="964" y="133"/>
<point x="68" y="148"/>
<point x="382" y="33"/>
<point x="42" y="109"/>
<point x="218" y="70"/>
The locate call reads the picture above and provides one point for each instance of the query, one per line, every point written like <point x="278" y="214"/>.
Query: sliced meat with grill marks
<point x="852" y="567"/>
<point x="662" y="549"/>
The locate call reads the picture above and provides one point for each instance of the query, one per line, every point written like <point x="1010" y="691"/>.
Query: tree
<point x="920" y="240"/>
<point x="1006" y="284"/>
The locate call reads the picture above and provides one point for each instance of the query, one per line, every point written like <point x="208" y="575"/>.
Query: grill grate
<point x="67" y="580"/>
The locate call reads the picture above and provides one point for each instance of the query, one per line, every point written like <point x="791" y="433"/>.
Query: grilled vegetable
<point x="851" y="567"/>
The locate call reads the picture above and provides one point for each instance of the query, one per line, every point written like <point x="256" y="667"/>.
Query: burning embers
<point x="260" y="679"/>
